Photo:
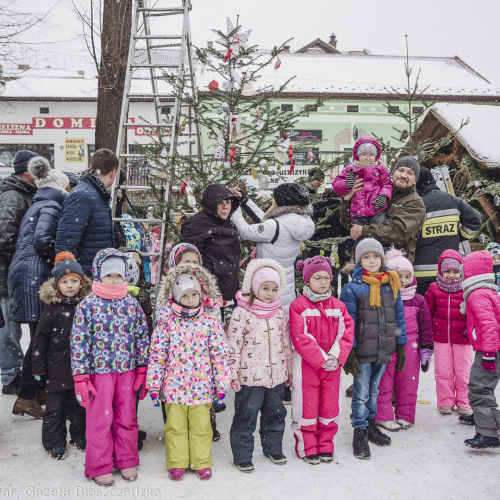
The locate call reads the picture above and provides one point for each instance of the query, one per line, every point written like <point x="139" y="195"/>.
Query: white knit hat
<point x="46" y="176"/>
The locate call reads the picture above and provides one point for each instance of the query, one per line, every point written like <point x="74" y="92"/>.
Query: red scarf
<point x="109" y="292"/>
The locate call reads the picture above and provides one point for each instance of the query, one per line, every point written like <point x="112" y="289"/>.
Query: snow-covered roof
<point x="479" y="136"/>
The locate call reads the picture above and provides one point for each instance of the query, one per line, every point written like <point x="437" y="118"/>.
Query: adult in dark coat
<point x="86" y="225"/>
<point x="32" y="264"/>
<point x="16" y="193"/>
<point x="216" y="237"/>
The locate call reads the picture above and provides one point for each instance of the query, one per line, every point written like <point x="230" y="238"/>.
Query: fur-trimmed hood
<point x="49" y="294"/>
<point x="257" y="264"/>
<point x="208" y="283"/>
<point x="291" y="209"/>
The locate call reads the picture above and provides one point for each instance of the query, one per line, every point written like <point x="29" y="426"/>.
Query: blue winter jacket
<point x="378" y="330"/>
<point x="86" y="225"/>
<point x="34" y="255"/>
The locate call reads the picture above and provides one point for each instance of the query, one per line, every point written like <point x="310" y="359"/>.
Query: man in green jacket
<point x="405" y="213"/>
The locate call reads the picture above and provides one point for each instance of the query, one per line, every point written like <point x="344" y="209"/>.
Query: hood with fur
<point x="49" y="294"/>
<point x="257" y="264"/>
<point x="208" y="281"/>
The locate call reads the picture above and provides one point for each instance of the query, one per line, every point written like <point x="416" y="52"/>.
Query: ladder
<point x="443" y="181"/>
<point x="160" y="44"/>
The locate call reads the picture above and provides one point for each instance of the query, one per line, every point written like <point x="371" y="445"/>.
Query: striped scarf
<point x="187" y="312"/>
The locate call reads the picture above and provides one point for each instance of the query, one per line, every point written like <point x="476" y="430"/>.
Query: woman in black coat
<point x="31" y="265"/>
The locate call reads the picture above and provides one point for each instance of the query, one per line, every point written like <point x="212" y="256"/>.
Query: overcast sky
<point x="434" y="27"/>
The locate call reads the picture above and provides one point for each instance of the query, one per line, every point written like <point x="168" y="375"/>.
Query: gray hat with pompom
<point x="46" y="176"/>
<point x="185" y="283"/>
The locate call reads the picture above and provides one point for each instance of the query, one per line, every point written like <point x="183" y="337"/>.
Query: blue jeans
<point x="364" y="394"/>
<point x="11" y="354"/>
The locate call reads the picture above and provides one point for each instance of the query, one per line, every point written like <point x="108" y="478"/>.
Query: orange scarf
<point x="375" y="280"/>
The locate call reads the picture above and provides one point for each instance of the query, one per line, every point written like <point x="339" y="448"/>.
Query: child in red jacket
<point x="483" y="319"/>
<point x="452" y="351"/>
<point x="322" y="332"/>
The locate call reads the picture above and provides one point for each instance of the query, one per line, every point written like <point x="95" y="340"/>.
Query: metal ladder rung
<point x="157" y="66"/>
<point x="165" y="46"/>
<point x="158" y="37"/>
<point x="144" y="96"/>
<point x="161" y="77"/>
<point x="173" y="10"/>
<point x="150" y="125"/>
<point x="139" y="188"/>
<point x="133" y="219"/>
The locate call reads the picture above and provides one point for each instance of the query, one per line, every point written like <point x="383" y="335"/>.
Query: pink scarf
<point x="109" y="292"/>
<point x="409" y="292"/>
<point x="259" y="308"/>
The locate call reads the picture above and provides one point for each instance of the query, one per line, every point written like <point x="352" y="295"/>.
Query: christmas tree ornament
<point x="227" y="164"/>
<point x="278" y="168"/>
<point x="190" y="197"/>
<point x="263" y="163"/>
<point x="310" y="154"/>
<point x="482" y="239"/>
<point x="255" y="174"/>
<point x="264" y="181"/>
<point x="228" y="55"/>
<point x="231" y="155"/>
<point x="236" y="41"/>
<point x="496" y="200"/>
<point x="213" y="85"/>
<point x="282" y="145"/>
<point x="477" y="184"/>
<point x="292" y="161"/>
<point x="278" y="63"/>
<point x="246" y="89"/>
<point x="228" y="85"/>
<point x="220" y="110"/>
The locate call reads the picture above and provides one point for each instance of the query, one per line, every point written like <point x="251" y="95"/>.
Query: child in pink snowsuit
<point x="452" y="351"/>
<point x="419" y="348"/>
<point x="109" y="357"/>
<point x="367" y="205"/>
<point x="322" y="332"/>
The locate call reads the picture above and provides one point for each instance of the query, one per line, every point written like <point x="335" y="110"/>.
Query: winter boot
<point x="204" y="473"/>
<point x="287" y="400"/>
<point x="104" y="480"/>
<point x="176" y="474"/>
<point x="376" y="436"/>
<point x="326" y="457"/>
<point x="445" y="410"/>
<point x="29" y="406"/>
<point x="58" y="453"/>
<point x="466" y="420"/>
<point x="277" y="458"/>
<point x="462" y="410"/>
<point x="220" y="407"/>
<point x="480" y="441"/>
<point x="404" y="424"/>
<point x="129" y="474"/>
<point x="389" y="425"/>
<point x="40" y="396"/>
<point x="348" y="391"/>
<point x="312" y="459"/>
<point x="142" y="435"/>
<point x="216" y="435"/>
<point x="246" y="467"/>
<point x="360" y="446"/>
<point x="80" y="444"/>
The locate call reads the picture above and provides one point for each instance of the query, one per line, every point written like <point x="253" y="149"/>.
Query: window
<point x="353" y="109"/>
<point x="393" y="109"/>
<point x="166" y="110"/>
<point x="418" y="109"/>
<point x="44" y="111"/>
<point x="8" y="152"/>
<point x="287" y="107"/>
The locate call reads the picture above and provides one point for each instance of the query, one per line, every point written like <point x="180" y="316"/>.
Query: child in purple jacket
<point x="419" y="348"/>
<point x="369" y="204"/>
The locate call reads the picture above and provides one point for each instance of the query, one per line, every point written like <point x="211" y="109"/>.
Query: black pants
<point x="424" y="284"/>
<point x="247" y="404"/>
<point x="29" y="385"/>
<point x="58" y="407"/>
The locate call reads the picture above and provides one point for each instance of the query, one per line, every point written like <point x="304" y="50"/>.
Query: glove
<point x="235" y="385"/>
<point x="38" y="378"/>
<point x="425" y="357"/>
<point x="83" y="386"/>
<point x="331" y="364"/>
<point x="154" y="397"/>
<point x="380" y="202"/>
<point x="288" y="383"/>
<point x="140" y="381"/>
<point x="219" y="397"/>
<point x="401" y="354"/>
<point x="351" y="365"/>
<point x="488" y="362"/>
<point x="351" y="179"/>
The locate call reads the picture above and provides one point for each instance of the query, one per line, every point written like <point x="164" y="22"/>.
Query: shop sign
<point x="16" y="129"/>
<point x="306" y="135"/>
<point x="74" y="151"/>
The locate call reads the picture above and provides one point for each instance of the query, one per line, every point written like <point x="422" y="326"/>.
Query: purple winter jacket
<point x="418" y="321"/>
<point x="376" y="181"/>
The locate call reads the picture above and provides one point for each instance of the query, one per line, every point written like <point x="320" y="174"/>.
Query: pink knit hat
<point x="448" y="263"/>
<point x="313" y="265"/>
<point x="262" y="275"/>
<point x="394" y="260"/>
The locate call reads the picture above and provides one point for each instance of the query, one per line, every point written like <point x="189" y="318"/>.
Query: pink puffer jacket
<point x="376" y="181"/>
<point x="449" y="325"/>
<point x="483" y="305"/>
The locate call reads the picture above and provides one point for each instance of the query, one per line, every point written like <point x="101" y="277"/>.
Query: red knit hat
<point x="313" y="265"/>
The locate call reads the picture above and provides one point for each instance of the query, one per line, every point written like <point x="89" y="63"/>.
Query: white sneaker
<point x="445" y="410"/>
<point x="403" y="423"/>
<point x="389" y="425"/>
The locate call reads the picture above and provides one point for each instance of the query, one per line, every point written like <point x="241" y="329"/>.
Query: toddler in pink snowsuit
<point x="367" y="205"/>
<point x="419" y="348"/>
<point x="452" y="352"/>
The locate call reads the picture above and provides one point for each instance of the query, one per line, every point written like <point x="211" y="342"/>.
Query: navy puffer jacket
<point x="86" y="225"/>
<point x="32" y="261"/>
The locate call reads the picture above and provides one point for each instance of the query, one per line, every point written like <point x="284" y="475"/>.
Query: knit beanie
<point x="289" y="194"/>
<point x="493" y="249"/>
<point x="424" y="179"/>
<point x="21" y="160"/>
<point x="409" y="162"/>
<point x="262" y="275"/>
<point x="368" y="245"/>
<point x="316" y="174"/>
<point x="395" y="260"/>
<point x="367" y="147"/>
<point x="313" y="265"/>
<point x="46" y="176"/>
<point x="449" y="264"/>
<point x="73" y="179"/>
<point x="113" y="264"/>
<point x="66" y="265"/>
<point x="132" y="274"/>
<point x="183" y="284"/>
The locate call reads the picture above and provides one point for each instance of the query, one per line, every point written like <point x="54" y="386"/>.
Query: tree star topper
<point x="236" y="40"/>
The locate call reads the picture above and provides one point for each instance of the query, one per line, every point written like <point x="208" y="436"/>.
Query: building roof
<point x="479" y="136"/>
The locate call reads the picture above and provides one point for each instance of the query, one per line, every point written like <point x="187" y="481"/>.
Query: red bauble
<point x="213" y="86"/>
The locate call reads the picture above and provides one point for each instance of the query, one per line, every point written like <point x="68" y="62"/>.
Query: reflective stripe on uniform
<point x="425" y="270"/>
<point x="467" y="233"/>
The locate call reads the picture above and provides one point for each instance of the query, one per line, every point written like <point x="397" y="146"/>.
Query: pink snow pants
<point x="452" y="364"/>
<point x="112" y="429"/>
<point x="315" y="407"/>
<point x="405" y="385"/>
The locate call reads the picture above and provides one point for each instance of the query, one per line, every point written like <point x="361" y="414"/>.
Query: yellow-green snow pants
<point x="188" y="436"/>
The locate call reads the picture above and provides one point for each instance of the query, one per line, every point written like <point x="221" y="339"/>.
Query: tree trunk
<point x="490" y="210"/>
<point x="115" y="38"/>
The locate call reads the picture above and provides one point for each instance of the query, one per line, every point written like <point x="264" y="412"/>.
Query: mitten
<point x="83" y="386"/>
<point x="351" y="365"/>
<point x="488" y="362"/>
<point x="140" y="381"/>
<point x="351" y="179"/>
<point x="331" y="364"/>
<point x="401" y="355"/>
<point x="380" y="202"/>
<point x="425" y="357"/>
<point x="154" y="397"/>
<point x="219" y="397"/>
<point x="235" y="385"/>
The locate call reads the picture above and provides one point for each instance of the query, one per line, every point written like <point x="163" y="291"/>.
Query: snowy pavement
<point x="427" y="461"/>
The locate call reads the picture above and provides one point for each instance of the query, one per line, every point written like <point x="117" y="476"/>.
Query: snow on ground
<point x="427" y="461"/>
